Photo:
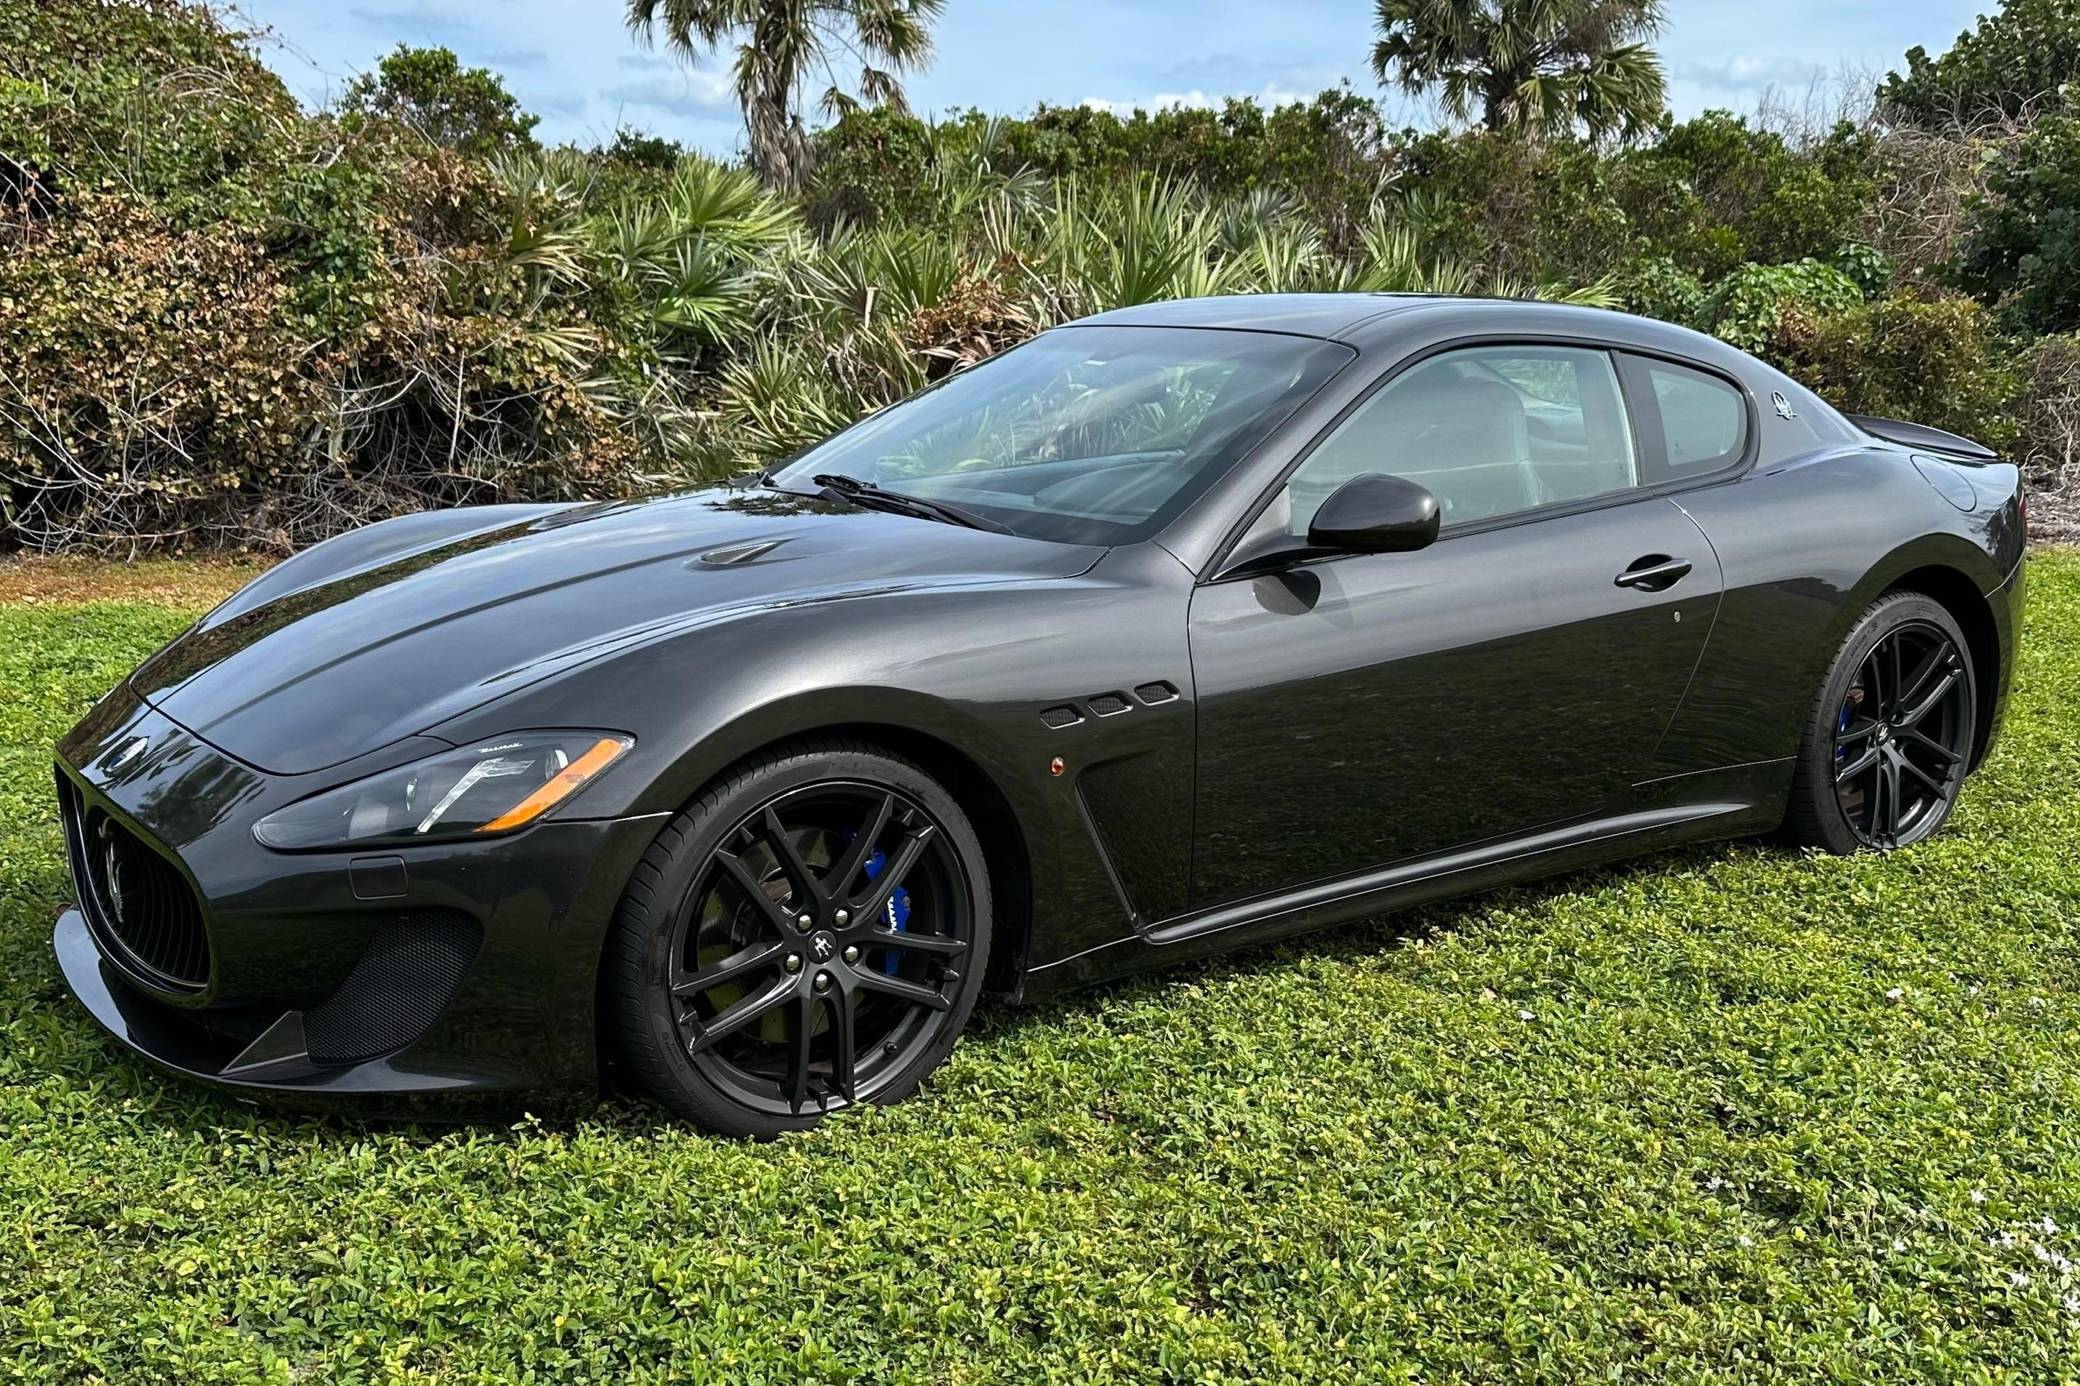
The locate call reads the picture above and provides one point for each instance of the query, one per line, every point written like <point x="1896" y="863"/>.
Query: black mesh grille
<point x="1059" y="717"/>
<point x="140" y="906"/>
<point x="1155" y="693"/>
<point x="398" y="989"/>
<point x="1109" y="704"/>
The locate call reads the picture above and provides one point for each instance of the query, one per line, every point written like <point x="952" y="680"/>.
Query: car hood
<point x="368" y="639"/>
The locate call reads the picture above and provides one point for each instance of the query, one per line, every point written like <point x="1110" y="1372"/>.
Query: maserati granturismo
<point x="1175" y="629"/>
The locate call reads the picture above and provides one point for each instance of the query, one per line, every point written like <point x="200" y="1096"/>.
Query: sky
<point x="575" y="64"/>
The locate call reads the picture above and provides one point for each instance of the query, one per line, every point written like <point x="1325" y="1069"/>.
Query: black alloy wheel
<point x="812" y="934"/>
<point x="1893" y="733"/>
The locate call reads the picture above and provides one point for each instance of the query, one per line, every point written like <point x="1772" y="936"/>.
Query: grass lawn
<point x="1733" y="1113"/>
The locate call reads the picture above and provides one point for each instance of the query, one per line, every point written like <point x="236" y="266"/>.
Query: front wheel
<point x="1891" y="736"/>
<point x="812" y="933"/>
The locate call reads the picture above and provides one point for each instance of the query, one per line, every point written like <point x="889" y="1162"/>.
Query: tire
<point x="748" y="1021"/>
<point x="1901" y="689"/>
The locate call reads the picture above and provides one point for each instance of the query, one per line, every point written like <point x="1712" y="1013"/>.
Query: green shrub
<point x="1866" y="265"/>
<point x="1325" y="155"/>
<point x="871" y="166"/>
<point x="1714" y="192"/>
<point x="2021" y="247"/>
<point x="429" y="92"/>
<point x="1524" y="207"/>
<point x="1658" y="287"/>
<point x="1935" y="361"/>
<point x="159" y="98"/>
<point x="2011" y="61"/>
<point x="1751" y="306"/>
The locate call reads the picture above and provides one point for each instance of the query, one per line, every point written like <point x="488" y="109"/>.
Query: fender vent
<point x="397" y="990"/>
<point x="1153" y="693"/>
<point x="1059" y="717"/>
<point x="1109" y="704"/>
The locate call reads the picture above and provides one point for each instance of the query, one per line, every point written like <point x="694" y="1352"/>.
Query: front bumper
<point x="424" y="972"/>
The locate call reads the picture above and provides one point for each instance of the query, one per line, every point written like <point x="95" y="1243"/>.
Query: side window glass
<point x="1704" y="420"/>
<point x="1489" y="430"/>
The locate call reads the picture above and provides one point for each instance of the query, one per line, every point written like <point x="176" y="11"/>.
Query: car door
<point x="1366" y="709"/>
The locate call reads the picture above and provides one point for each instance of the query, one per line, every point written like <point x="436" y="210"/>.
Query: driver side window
<point x="1489" y="430"/>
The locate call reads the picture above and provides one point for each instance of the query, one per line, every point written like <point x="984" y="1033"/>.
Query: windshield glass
<point x="1084" y="435"/>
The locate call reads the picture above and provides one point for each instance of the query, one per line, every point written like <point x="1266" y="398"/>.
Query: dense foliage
<point x="429" y="91"/>
<point x="231" y="320"/>
<point x="2022" y="248"/>
<point x="1731" y="1114"/>
<point x="2006" y="65"/>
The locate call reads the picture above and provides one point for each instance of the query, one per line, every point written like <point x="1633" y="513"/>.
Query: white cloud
<point x="1268" y="96"/>
<point x="1749" y="71"/>
<point x="693" y="94"/>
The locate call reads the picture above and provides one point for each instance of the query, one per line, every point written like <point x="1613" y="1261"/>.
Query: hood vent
<point x="731" y="555"/>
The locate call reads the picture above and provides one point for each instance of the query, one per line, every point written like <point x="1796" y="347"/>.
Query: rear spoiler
<point x="1921" y="436"/>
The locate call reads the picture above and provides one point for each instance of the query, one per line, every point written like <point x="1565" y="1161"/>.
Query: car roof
<point x="1332" y="316"/>
<point x="1365" y="320"/>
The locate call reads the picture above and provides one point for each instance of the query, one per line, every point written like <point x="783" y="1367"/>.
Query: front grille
<point x="400" y="987"/>
<point x="141" y="908"/>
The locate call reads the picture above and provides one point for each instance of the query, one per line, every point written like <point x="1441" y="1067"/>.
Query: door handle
<point x="1655" y="573"/>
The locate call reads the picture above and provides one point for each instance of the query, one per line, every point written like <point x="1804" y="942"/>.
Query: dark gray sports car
<point x="1175" y="629"/>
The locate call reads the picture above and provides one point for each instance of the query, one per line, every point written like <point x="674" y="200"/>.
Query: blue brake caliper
<point x="896" y="912"/>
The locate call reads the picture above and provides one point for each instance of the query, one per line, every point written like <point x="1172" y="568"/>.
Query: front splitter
<point x="165" y="1036"/>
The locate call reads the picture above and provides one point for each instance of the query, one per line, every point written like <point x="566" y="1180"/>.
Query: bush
<point x="157" y="97"/>
<point x="1757" y="306"/>
<point x="2011" y="62"/>
<point x="1714" y="193"/>
<point x="876" y="166"/>
<point x="2021" y="248"/>
<point x="1523" y="206"/>
<point x="1934" y="361"/>
<point x="1658" y="287"/>
<point x="429" y="92"/>
<point x="146" y="373"/>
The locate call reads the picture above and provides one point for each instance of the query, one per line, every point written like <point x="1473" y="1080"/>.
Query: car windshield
<point x="1084" y="435"/>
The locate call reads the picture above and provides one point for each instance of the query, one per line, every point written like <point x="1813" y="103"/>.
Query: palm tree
<point x="783" y="46"/>
<point x="1528" y="64"/>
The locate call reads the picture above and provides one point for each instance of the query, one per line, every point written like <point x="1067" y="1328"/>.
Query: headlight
<point x="474" y="791"/>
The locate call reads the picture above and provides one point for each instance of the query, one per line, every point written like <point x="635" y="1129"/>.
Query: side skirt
<point x="1326" y="903"/>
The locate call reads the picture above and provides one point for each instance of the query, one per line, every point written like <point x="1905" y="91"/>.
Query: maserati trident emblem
<point x="112" y="875"/>
<point x="823" y="945"/>
<point x="130" y="750"/>
<point x="1784" y="409"/>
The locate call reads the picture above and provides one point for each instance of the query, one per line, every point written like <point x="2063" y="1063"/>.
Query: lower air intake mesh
<point x="397" y="990"/>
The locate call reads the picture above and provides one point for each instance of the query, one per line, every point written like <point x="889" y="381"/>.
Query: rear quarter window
<point x="1693" y="422"/>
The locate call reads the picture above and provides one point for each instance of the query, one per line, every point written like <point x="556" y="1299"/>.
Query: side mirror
<point x="1375" y="513"/>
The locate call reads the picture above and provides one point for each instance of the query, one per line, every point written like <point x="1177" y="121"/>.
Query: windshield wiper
<point x="869" y="496"/>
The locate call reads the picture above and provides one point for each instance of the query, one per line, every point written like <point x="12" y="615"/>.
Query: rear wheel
<point x="811" y="934"/>
<point x="1890" y="738"/>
